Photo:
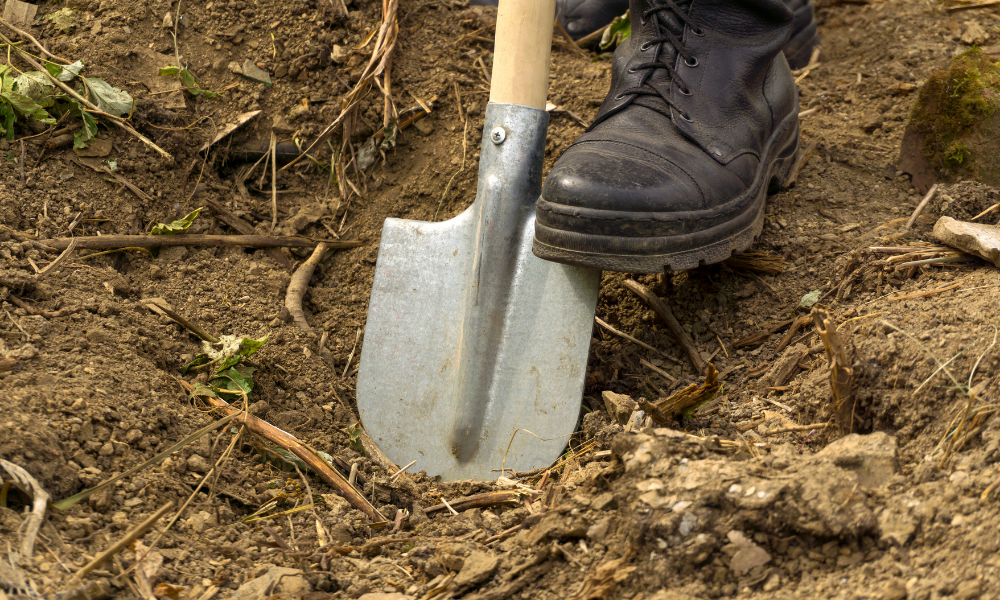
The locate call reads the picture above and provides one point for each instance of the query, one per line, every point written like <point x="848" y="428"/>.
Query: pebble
<point x="198" y="464"/>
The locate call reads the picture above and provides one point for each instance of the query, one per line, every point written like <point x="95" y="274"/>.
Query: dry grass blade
<point x="132" y="535"/>
<point x="840" y="357"/>
<point x="68" y="502"/>
<point x="757" y="261"/>
<point x="692" y="395"/>
<point x="602" y="581"/>
<point x="39" y="500"/>
<point x="658" y="306"/>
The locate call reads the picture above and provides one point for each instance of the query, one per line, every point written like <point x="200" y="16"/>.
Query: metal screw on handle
<point x="498" y="135"/>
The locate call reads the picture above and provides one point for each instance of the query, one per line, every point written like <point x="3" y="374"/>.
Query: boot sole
<point x="685" y="251"/>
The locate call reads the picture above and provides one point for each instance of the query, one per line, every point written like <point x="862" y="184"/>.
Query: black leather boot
<point x="701" y="117"/>
<point x="805" y="35"/>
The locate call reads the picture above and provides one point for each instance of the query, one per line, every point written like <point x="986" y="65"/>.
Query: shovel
<point x="475" y="350"/>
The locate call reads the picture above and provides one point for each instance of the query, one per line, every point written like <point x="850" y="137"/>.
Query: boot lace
<point x="667" y="36"/>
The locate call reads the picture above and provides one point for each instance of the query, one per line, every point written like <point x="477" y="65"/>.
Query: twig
<point x="400" y="472"/>
<point x="384" y="45"/>
<point x="486" y="499"/>
<point x="458" y="101"/>
<point x="192" y="327"/>
<point x="986" y="212"/>
<point x="299" y="284"/>
<point x="133" y="534"/>
<point x="925" y="293"/>
<point x="31" y="39"/>
<point x="118" y="121"/>
<point x="59" y="260"/>
<point x="274" y="182"/>
<point x="350" y="356"/>
<point x="597" y="34"/>
<point x="626" y="336"/>
<point x="570" y="42"/>
<point x="100" y="242"/>
<point x="21" y="163"/>
<point x="48" y="314"/>
<point x="245" y="228"/>
<point x="658" y="370"/>
<point x="920" y="207"/>
<point x="952" y="9"/>
<point x="293" y="445"/>
<point x="668" y="317"/>
<point x="453" y="512"/>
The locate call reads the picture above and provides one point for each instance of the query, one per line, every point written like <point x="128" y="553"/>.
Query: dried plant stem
<point x="299" y="284"/>
<point x="685" y="341"/>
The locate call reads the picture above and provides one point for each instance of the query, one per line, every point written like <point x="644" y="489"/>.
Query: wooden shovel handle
<point x="522" y="52"/>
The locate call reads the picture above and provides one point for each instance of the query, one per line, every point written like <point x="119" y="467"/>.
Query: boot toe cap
<point x="605" y="175"/>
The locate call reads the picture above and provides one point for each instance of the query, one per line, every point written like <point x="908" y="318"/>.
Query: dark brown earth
<point x="714" y="504"/>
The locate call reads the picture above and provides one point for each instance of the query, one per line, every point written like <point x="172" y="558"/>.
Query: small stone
<point x="107" y="449"/>
<point x="773" y="582"/>
<point x="873" y="457"/>
<point x="872" y="120"/>
<point x="969" y="590"/>
<point x="894" y="589"/>
<point x="974" y="34"/>
<point x="385" y="596"/>
<point x="234" y="68"/>
<point x="168" y="21"/>
<point x="974" y="238"/>
<point x="747" y="555"/>
<point x="277" y="581"/>
<point x="603" y="501"/>
<point x="198" y="464"/>
<point x="254" y="73"/>
<point x="599" y="530"/>
<point x="424" y="126"/>
<point x="339" y="54"/>
<point x="478" y="567"/>
<point x="619" y="406"/>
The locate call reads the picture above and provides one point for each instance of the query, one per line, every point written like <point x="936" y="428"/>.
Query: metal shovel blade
<point x="475" y="350"/>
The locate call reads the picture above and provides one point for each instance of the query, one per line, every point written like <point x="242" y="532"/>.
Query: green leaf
<point x="28" y="107"/>
<point x="200" y="389"/>
<point x="233" y="379"/>
<point x="177" y="226"/>
<point x="201" y="359"/>
<point x="250" y="346"/>
<point x="36" y="85"/>
<point x="616" y="33"/>
<point x="107" y="98"/>
<point x="6" y="120"/>
<point x="188" y="80"/>
<point x="63" y="19"/>
<point x="87" y="132"/>
<point x="64" y="73"/>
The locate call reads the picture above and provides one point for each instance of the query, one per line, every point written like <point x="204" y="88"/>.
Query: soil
<point x="716" y="503"/>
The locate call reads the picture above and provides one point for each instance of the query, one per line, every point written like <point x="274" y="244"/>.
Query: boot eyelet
<point x="631" y="70"/>
<point x="644" y="46"/>
<point x="619" y="96"/>
<point x="698" y="31"/>
<point x="686" y="117"/>
<point x="684" y="91"/>
<point x="692" y="62"/>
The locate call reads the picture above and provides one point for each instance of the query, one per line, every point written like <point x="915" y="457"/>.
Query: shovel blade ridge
<point x="475" y="350"/>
